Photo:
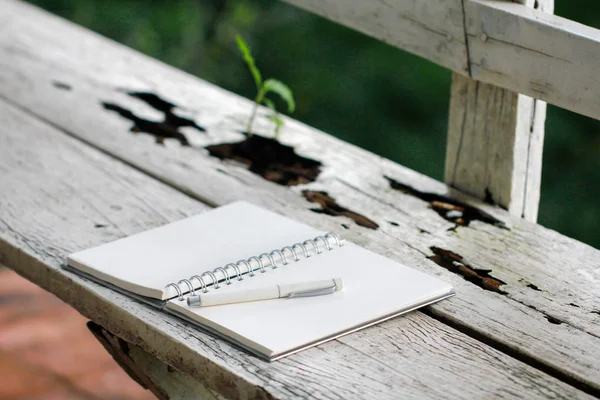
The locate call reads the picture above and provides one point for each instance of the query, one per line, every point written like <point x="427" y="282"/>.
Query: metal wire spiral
<point x="233" y="270"/>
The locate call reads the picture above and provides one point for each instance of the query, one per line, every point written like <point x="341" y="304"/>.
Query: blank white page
<point x="145" y="263"/>
<point x="375" y="287"/>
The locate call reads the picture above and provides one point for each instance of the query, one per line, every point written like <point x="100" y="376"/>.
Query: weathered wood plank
<point x="524" y="257"/>
<point x="495" y="145"/>
<point x="64" y="196"/>
<point x="536" y="53"/>
<point x="508" y="43"/>
<point x="164" y="381"/>
<point x="495" y="142"/>
<point x="507" y="58"/>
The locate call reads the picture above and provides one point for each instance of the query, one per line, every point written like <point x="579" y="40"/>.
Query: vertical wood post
<point x="495" y="140"/>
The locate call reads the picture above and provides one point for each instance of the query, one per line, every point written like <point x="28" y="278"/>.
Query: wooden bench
<point x="526" y="318"/>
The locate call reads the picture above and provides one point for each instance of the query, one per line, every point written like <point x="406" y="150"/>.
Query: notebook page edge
<point x="125" y="285"/>
<point x="273" y="355"/>
<point x="429" y="288"/>
<point x="219" y="330"/>
<point x="284" y="353"/>
<point x="159" y="304"/>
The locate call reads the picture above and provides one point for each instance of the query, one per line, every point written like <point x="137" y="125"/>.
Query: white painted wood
<point x="495" y="142"/>
<point x="565" y="270"/>
<point x="432" y="29"/>
<point x="511" y="46"/>
<point x="61" y="189"/>
<point x="538" y="54"/>
<point x="176" y="384"/>
<point x="535" y="53"/>
<point x="164" y="381"/>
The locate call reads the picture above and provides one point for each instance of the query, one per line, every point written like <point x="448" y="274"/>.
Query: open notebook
<point x="158" y="266"/>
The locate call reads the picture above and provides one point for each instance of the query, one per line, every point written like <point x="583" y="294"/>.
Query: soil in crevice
<point x="270" y="159"/>
<point x="450" y="209"/>
<point x="330" y="207"/>
<point x="454" y="263"/>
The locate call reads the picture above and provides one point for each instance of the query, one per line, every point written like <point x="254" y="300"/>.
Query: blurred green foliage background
<point x="354" y="87"/>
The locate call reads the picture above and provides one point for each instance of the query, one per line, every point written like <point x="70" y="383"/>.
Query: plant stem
<point x="251" y="119"/>
<point x="259" y="99"/>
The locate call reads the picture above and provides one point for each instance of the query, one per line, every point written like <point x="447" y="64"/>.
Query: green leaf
<point x="281" y="89"/>
<point x="245" y="50"/>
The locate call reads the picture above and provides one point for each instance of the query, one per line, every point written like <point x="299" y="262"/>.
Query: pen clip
<point x="313" y="292"/>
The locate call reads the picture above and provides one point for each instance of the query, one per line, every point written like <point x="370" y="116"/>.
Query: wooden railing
<point x="73" y="175"/>
<point x="501" y="52"/>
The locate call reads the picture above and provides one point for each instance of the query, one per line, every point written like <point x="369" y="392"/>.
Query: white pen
<point x="305" y="289"/>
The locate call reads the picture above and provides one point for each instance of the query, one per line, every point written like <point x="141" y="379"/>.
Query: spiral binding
<point x="259" y="262"/>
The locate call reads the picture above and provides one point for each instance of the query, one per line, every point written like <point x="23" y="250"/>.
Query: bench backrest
<point x="508" y="59"/>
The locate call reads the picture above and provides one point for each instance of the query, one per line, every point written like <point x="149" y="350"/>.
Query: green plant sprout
<point x="263" y="88"/>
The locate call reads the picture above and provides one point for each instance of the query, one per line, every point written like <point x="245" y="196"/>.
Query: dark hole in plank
<point x="451" y="210"/>
<point x="153" y="101"/>
<point x="167" y="108"/>
<point x="534" y="287"/>
<point x="168" y="128"/>
<point x="454" y="263"/>
<point x="488" y="197"/>
<point x="61" y="85"/>
<point x="330" y="207"/>
<point x="553" y="320"/>
<point x="270" y="159"/>
<point x="549" y="318"/>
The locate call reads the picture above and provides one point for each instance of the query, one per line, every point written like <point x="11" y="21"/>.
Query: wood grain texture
<point x="164" y="381"/>
<point x="34" y="54"/>
<point x="533" y="52"/>
<point x="514" y="47"/>
<point x="495" y="142"/>
<point x="61" y="190"/>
